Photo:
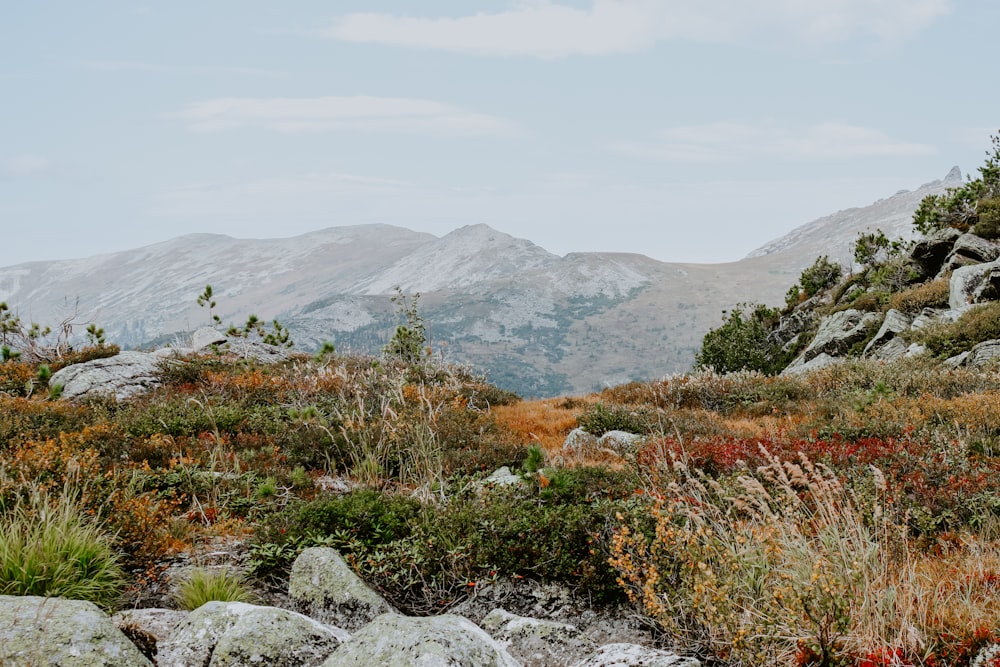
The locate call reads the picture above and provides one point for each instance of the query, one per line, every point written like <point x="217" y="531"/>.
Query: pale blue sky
<point x="687" y="130"/>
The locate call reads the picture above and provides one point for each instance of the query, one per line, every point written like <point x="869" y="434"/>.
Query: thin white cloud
<point x="138" y="66"/>
<point x="27" y="166"/>
<point x="319" y="114"/>
<point x="546" y="29"/>
<point x="295" y="193"/>
<point x="730" y="142"/>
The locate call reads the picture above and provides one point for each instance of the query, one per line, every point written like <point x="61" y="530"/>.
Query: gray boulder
<point x="984" y="354"/>
<point x="148" y="628"/>
<point x="886" y="345"/>
<point x="538" y="643"/>
<point x="929" y="254"/>
<point x="620" y="442"/>
<point x="232" y="634"/>
<point x="246" y="348"/>
<point x="633" y="655"/>
<point x="836" y="334"/>
<point x="821" y="361"/>
<point x="965" y="282"/>
<point x="124" y="375"/>
<point x="970" y="249"/>
<point x="501" y="477"/>
<point x="323" y="586"/>
<point x="206" y="337"/>
<point x="579" y="440"/>
<point x="392" y="640"/>
<point x="67" y="633"/>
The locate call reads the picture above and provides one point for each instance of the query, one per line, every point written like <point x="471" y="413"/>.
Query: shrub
<point x="599" y="418"/>
<point x="932" y="294"/>
<point x="946" y="339"/>
<point x="821" y="275"/>
<point x="742" y="343"/>
<point x="958" y="207"/>
<point x="50" y="547"/>
<point x="988" y="211"/>
<point x="204" y="585"/>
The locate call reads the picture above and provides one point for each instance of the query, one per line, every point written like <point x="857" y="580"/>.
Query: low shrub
<point x="50" y="547"/>
<point x="946" y="339"/>
<point x="599" y="418"/>
<point x="932" y="294"/>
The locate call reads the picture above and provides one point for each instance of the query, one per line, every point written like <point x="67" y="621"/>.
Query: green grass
<point x="49" y="547"/>
<point x="204" y="585"/>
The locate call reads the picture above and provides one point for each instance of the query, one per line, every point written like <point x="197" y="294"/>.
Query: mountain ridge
<point x="541" y="324"/>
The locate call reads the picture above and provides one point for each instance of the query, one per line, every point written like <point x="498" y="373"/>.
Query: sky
<point x="686" y="130"/>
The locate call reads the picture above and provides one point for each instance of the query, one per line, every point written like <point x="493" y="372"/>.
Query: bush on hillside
<point x="959" y="207"/>
<point x="742" y="342"/>
<point x="946" y="339"/>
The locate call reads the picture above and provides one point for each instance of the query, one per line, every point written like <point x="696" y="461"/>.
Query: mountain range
<point x="538" y="323"/>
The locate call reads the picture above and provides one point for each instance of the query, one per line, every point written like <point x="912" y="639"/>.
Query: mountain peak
<point x="954" y="175"/>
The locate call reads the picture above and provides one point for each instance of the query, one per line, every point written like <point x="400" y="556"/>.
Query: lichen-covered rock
<point x="263" y="353"/>
<point x="501" y="477"/>
<point x="970" y="249"/>
<point x="984" y="354"/>
<point x="232" y="634"/>
<point x="633" y="655"/>
<point x="147" y="628"/>
<point x="323" y="586"/>
<point x="124" y="375"/>
<point x="40" y="631"/>
<point x="964" y="283"/>
<point x="206" y="337"/>
<point x="930" y="252"/>
<point x="579" y="440"/>
<point x="620" y="442"/>
<point x="837" y="333"/>
<point x="392" y="640"/>
<point x="820" y="361"/>
<point x="886" y="345"/>
<point x="536" y="642"/>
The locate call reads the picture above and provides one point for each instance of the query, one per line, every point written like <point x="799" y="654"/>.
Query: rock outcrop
<point x="323" y="586"/>
<point x="538" y="643"/>
<point x="836" y="334"/>
<point x="123" y="376"/>
<point x="966" y="285"/>
<point x="392" y="640"/>
<point x="628" y="655"/>
<point x="929" y="253"/>
<point x="887" y="343"/>
<point x="233" y="634"/>
<point x="63" y="633"/>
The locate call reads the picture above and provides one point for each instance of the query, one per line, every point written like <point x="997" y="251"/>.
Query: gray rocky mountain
<point x="538" y="323"/>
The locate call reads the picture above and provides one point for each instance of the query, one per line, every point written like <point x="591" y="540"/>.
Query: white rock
<point x="323" y="586"/>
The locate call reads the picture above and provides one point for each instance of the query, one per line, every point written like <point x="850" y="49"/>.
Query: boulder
<point x="915" y="350"/>
<point x="984" y="354"/>
<point x="323" y="586"/>
<point x="821" y="361"/>
<point x="148" y="628"/>
<point x="837" y="333"/>
<point x="956" y="361"/>
<point x="392" y="640"/>
<point x="965" y="282"/>
<point x="970" y="249"/>
<point x="931" y="315"/>
<point x="124" y="375"/>
<point x="246" y="348"/>
<point x="929" y="253"/>
<point x="620" y="442"/>
<point x="206" y="337"/>
<point x="989" y="287"/>
<point x="886" y="345"/>
<point x="501" y="477"/>
<point x="64" y="633"/>
<point x="633" y="655"/>
<point x="232" y="634"/>
<point x="579" y="440"/>
<point x="538" y="643"/>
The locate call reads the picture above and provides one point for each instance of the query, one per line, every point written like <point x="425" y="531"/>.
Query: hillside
<point x="539" y="323"/>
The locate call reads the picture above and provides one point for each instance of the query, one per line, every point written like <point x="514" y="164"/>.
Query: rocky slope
<point x="542" y="324"/>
